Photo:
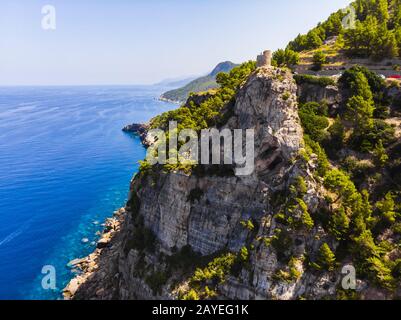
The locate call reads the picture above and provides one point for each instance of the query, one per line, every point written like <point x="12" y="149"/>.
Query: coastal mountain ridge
<point x="204" y="83"/>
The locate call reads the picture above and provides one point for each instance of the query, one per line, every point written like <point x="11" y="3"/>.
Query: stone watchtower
<point x="264" y="59"/>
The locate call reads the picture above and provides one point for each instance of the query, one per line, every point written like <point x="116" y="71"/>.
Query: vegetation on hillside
<point x="361" y="198"/>
<point x="375" y="33"/>
<point x="285" y="58"/>
<point x="208" y="113"/>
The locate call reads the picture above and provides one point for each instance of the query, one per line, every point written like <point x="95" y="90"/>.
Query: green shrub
<point x="380" y="155"/>
<point x="357" y="169"/>
<point x="386" y="208"/>
<point x="339" y="224"/>
<point x="285" y="58"/>
<point x="300" y="185"/>
<point x="380" y="273"/>
<point x="396" y="270"/>
<point x="342" y="294"/>
<point x="192" y="295"/>
<point x="306" y="219"/>
<point x="243" y="254"/>
<point x="216" y="270"/>
<point x="366" y="140"/>
<point x="290" y="274"/>
<point x="376" y="84"/>
<point x="286" y="95"/>
<point x="319" y="59"/>
<point x="248" y="224"/>
<point x="323" y="163"/>
<point x="313" y="122"/>
<point x="326" y="259"/>
<point x="309" y="79"/>
<point x="396" y="228"/>
<point x="340" y="183"/>
<point x="364" y="246"/>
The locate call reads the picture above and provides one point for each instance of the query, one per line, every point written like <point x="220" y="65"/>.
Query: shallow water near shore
<point x="65" y="166"/>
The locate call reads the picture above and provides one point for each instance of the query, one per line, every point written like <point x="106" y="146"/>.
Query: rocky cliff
<point x="260" y="226"/>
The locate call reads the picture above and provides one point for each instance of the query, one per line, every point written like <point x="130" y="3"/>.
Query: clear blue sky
<point x="143" y="41"/>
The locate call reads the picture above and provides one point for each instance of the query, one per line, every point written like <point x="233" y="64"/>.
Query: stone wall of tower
<point x="264" y="59"/>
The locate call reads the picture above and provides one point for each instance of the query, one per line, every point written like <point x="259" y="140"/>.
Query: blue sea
<point x="65" y="166"/>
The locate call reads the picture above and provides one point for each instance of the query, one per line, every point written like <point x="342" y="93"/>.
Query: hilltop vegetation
<point x="366" y="29"/>
<point x="355" y="161"/>
<point x="201" y="84"/>
<point x="206" y="114"/>
<point x="358" y="152"/>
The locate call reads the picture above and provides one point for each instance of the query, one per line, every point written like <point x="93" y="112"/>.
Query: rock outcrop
<point x="141" y="130"/>
<point x="98" y="272"/>
<point x="174" y="221"/>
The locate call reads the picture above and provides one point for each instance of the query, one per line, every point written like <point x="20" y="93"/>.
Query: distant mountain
<point x="198" y="85"/>
<point x="175" y="82"/>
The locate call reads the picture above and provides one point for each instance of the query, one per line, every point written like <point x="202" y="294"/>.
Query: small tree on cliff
<point x="319" y="59"/>
<point x="380" y="155"/>
<point x="326" y="259"/>
<point x="285" y="58"/>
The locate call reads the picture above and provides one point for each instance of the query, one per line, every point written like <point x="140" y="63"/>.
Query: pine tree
<point x="285" y="58"/>
<point x="337" y="134"/>
<point x="360" y="111"/>
<point x="339" y="224"/>
<point x="313" y="40"/>
<point x="326" y="259"/>
<point x="380" y="155"/>
<point x="381" y="11"/>
<point x="384" y="44"/>
<point x="360" y="87"/>
<point x="386" y="207"/>
<point x="319" y="59"/>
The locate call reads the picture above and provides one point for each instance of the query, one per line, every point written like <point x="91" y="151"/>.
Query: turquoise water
<point x="65" y="166"/>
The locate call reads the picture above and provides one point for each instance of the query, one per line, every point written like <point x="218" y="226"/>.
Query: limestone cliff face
<point x="171" y="212"/>
<point x="211" y="222"/>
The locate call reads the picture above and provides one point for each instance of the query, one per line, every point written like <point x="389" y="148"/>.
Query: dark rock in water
<point x="140" y="129"/>
<point x="135" y="128"/>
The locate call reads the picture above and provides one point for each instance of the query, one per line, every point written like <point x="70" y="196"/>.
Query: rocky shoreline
<point x="106" y="250"/>
<point x="99" y="259"/>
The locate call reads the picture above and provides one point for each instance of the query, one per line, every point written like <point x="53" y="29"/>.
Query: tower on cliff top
<point x="264" y="59"/>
